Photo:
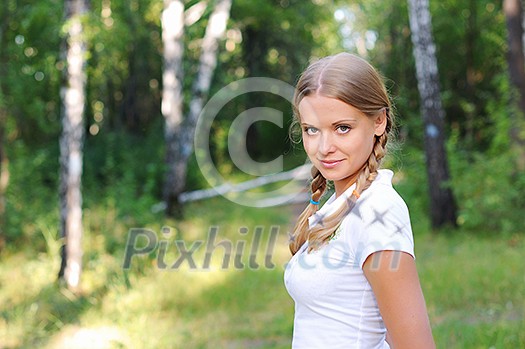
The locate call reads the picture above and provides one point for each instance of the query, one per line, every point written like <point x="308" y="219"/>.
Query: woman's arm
<point x="394" y="280"/>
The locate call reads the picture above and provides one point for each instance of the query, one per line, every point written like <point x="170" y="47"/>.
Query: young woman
<point x="352" y="274"/>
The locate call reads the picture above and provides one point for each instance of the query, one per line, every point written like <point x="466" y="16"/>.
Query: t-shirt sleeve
<point x="385" y="226"/>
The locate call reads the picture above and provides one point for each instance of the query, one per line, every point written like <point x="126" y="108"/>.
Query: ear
<point x="380" y="123"/>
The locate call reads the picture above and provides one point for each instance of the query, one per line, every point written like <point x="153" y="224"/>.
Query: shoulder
<point x="384" y="220"/>
<point x="381" y="199"/>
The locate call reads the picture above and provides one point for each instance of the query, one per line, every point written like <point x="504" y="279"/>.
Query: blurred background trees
<point x="125" y="149"/>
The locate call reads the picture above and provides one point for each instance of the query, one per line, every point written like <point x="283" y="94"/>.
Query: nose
<point x="326" y="144"/>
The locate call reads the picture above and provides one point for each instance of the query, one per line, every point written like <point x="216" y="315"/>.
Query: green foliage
<point x="488" y="185"/>
<point x="489" y="191"/>
<point x="122" y="165"/>
<point x="32" y="199"/>
<point x="467" y="79"/>
<point x="124" y="66"/>
<point x="29" y="76"/>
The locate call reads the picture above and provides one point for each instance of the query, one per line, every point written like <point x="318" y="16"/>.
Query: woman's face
<point x="338" y="138"/>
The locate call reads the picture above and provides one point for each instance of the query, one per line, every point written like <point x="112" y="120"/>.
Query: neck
<point x="340" y="188"/>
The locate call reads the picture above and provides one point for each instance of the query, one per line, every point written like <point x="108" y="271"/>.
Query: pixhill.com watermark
<point x="170" y="254"/>
<point x="252" y="250"/>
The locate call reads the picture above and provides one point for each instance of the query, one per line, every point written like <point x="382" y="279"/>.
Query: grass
<point x="146" y="307"/>
<point x="474" y="286"/>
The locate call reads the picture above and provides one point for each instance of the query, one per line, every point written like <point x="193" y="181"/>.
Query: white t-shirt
<point x="335" y="306"/>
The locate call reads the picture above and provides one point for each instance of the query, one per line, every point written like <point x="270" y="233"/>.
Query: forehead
<point x="320" y="109"/>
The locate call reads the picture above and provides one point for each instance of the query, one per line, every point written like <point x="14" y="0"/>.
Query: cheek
<point x="308" y="145"/>
<point x="368" y="146"/>
<point x="360" y="146"/>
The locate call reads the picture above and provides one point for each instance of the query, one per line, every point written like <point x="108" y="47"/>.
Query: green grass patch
<point x="474" y="285"/>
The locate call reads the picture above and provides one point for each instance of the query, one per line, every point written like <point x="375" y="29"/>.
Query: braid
<point x="369" y="172"/>
<point x="302" y="227"/>
<point x="318" y="185"/>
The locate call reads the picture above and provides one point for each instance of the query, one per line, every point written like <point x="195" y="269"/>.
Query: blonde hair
<point x="353" y="81"/>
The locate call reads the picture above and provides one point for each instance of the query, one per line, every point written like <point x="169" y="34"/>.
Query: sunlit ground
<point x="146" y="307"/>
<point x="474" y="287"/>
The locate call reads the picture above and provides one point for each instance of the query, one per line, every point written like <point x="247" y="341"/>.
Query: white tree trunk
<point x="442" y="204"/>
<point x="176" y="178"/>
<point x="172" y="97"/>
<point x="208" y="61"/>
<point x="71" y="142"/>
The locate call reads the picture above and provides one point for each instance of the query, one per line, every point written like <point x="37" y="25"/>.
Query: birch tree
<point x="172" y="22"/>
<point x="71" y="142"/>
<point x="516" y="65"/>
<point x="442" y="203"/>
<point x="179" y="131"/>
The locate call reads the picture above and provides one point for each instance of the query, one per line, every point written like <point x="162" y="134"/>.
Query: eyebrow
<point x="334" y="123"/>
<point x="343" y="121"/>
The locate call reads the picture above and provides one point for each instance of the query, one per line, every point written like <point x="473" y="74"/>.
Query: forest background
<point x="472" y="271"/>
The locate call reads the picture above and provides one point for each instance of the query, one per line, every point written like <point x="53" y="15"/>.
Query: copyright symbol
<point x="237" y="144"/>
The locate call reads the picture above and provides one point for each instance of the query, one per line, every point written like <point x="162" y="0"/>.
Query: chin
<point x="330" y="176"/>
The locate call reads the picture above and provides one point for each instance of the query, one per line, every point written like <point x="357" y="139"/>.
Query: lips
<point x="330" y="163"/>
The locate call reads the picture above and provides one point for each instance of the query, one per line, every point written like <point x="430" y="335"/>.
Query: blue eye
<point x="343" y="129"/>
<point x="310" y="130"/>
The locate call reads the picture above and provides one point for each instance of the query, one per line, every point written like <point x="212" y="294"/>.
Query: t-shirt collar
<point x="333" y="203"/>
